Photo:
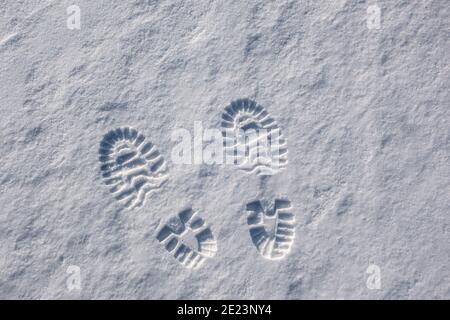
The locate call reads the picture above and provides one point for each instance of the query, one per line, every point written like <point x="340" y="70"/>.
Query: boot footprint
<point x="253" y="139"/>
<point x="188" y="239"/>
<point x="272" y="229"/>
<point x="131" y="166"/>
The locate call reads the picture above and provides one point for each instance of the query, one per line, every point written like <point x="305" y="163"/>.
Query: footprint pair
<point x="132" y="168"/>
<point x="191" y="242"/>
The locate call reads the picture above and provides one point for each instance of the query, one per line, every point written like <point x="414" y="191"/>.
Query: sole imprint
<point x="131" y="166"/>
<point x="272" y="229"/>
<point x="188" y="239"/>
<point x="252" y="138"/>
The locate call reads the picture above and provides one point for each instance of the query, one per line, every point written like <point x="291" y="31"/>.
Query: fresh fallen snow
<point x="365" y="113"/>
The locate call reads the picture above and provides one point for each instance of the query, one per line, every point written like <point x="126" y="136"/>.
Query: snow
<point x="365" y="112"/>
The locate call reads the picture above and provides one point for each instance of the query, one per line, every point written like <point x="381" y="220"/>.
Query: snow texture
<point x="365" y="113"/>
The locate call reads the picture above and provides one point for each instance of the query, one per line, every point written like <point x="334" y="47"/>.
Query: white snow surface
<point x="365" y="113"/>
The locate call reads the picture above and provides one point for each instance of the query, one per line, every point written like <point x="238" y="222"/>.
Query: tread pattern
<point x="131" y="166"/>
<point x="253" y="139"/>
<point x="173" y="236"/>
<point x="272" y="230"/>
